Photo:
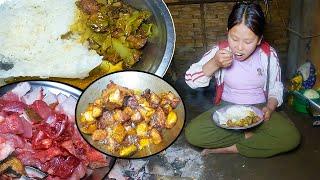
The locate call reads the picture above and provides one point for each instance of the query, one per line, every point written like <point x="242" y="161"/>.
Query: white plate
<point x="219" y="115"/>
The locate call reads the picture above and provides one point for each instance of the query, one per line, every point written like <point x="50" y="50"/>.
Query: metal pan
<point x="139" y="81"/>
<point x="56" y="88"/>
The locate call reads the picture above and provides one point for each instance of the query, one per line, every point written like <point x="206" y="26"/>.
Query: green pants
<point x="272" y="137"/>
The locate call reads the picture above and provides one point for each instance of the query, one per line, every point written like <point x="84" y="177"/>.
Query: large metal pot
<point x="158" y="52"/>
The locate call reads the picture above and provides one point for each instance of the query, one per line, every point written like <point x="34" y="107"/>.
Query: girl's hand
<point x="223" y="58"/>
<point x="269" y="108"/>
<point x="267" y="113"/>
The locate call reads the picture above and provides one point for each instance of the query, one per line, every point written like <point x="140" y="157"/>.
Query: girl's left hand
<point x="266" y="113"/>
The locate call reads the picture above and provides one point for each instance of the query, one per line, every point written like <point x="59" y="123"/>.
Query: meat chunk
<point x="137" y="41"/>
<point x="88" y="6"/>
<point x="158" y="119"/>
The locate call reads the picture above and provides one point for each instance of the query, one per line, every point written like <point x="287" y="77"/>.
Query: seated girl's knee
<point x="291" y="141"/>
<point x="191" y="134"/>
<point x="295" y="139"/>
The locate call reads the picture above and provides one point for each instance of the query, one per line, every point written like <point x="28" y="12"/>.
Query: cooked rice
<point x="30" y="40"/>
<point x="235" y="113"/>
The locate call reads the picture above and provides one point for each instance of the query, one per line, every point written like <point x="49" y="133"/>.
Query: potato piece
<point x="171" y="119"/>
<point x="115" y="97"/>
<point x="146" y="112"/>
<point x="96" y="111"/>
<point x="88" y="128"/>
<point x="128" y="150"/>
<point x="131" y="131"/>
<point x="118" y="133"/>
<point x="142" y="129"/>
<point x="82" y="119"/>
<point x="144" y="142"/>
<point x="156" y="137"/>
<point x="120" y="116"/>
<point x="99" y="135"/>
<point x="128" y="111"/>
<point x="88" y="117"/>
<point x="98" y="102"/>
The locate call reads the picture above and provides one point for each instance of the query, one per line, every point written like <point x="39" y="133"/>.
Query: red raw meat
<point x="10" y="96"/>
<point x="12" y="106"/>
<point x="28" y="158"/>
<point x="40" y="140"/>
<point x="47" y="155"/>
<point x="50" y="141"/>
<point x="79" y="172"/>
<point x="27" y="128"/>
<point x="16" y="140"/>
<point x="96" y="159"/>
<point x="42" y="109"/>
<point x="62" y="166"/>
<point x="12" y="124"/>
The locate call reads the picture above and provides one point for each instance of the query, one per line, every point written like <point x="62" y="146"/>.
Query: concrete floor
<point x="182" y="161"/>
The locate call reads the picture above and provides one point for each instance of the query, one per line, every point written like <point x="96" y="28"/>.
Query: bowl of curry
<point x="130" y="114"/>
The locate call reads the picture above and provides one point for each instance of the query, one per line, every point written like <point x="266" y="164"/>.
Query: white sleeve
<point x="194" y="76"/>
<point x="275" y="84"/>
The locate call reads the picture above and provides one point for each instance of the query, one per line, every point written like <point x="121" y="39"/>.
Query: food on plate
<point x="38" y="136"/>
<point x="240" y="116"/>
<point x="70" y="38"/>
<point x="124" y="121"/>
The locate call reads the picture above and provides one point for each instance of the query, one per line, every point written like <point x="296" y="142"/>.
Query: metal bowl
<point x="56" y="88"/>
<point x="139" y="81"/>
<point x="158" y="52"/>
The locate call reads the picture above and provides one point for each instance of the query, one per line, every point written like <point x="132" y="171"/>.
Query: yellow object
<point x="171" y="119"/>
<point x="88" y="116"/>
<point x="131" y="131"/>
<point x="144" y="143"/>
<point x="296" y="82"/>
<point x="12" y="164"/>
<point x="118" y="133"/>
<point x="99" y="135"/>
<point x="127" y="151"/>
<point x="115" y="97"/>
<point x="96" y="111"/>
<point x="156" y="137"/>
<point x="142" y="129"/>
<point x="88" y="128"/>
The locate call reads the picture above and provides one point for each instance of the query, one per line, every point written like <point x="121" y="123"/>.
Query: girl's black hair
<point x="250" y="14"/>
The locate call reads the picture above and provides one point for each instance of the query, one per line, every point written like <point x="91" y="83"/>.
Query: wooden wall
<point x="200" y="25"/>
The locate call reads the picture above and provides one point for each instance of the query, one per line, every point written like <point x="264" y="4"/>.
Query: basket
<point x="305" y="105"/>
<point x="300" y="102"/>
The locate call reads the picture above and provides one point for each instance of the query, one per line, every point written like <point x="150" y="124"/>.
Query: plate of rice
<point x="238" y="117"/>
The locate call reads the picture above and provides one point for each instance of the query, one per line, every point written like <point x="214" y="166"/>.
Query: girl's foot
<point x="226" y="150"/>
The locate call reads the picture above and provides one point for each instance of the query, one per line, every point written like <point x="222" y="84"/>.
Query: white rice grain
<point x="30" y="40"/>
<point x="235" y="113"/>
